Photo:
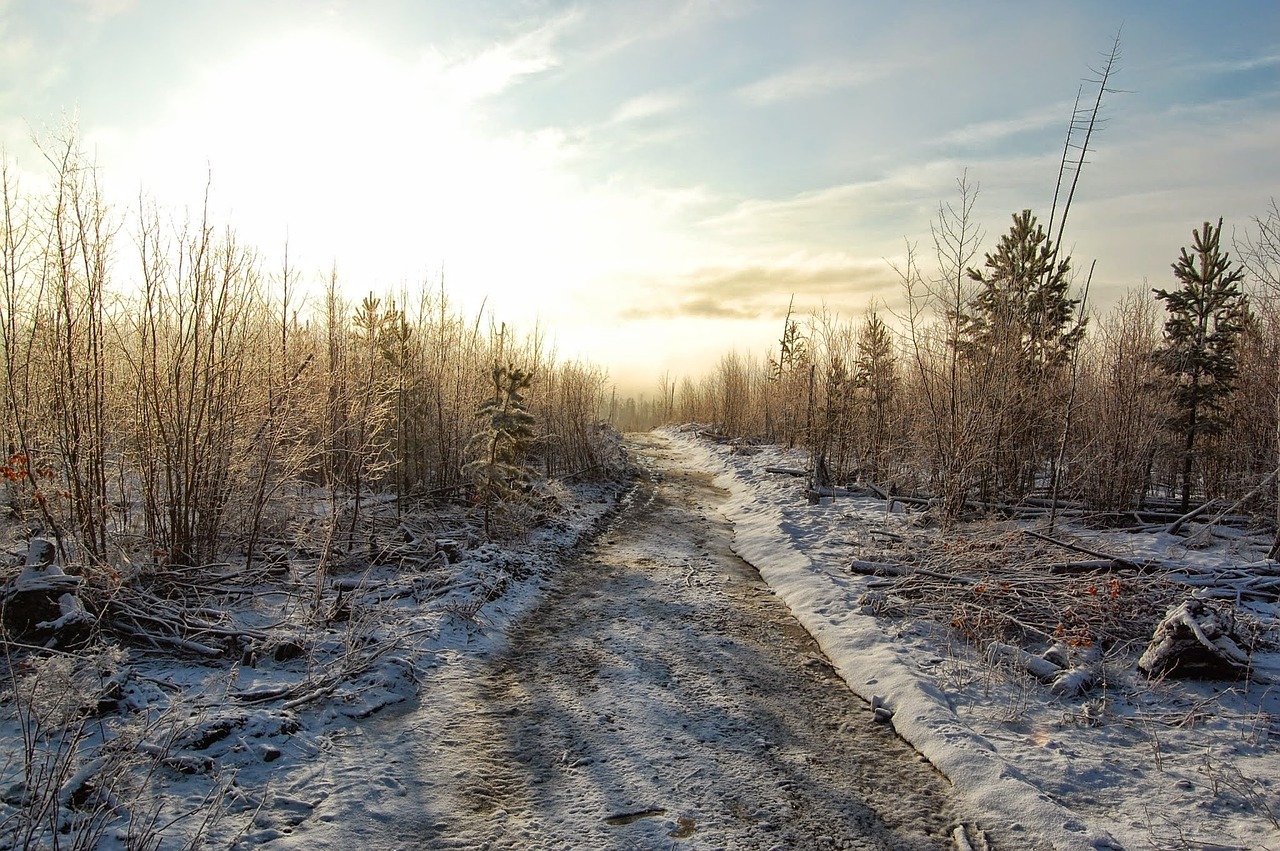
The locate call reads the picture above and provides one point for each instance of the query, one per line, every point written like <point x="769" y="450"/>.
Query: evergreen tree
<point x="876" y="375"/>
<point x="1022" y="310"/>
<point x="793" y="350"/>
<point x="502" y="445"/>
<point x="837" y="423"/>
<point x="1206" y="316"/>
<point x="1016" y="335"/>
<point x="789" y="375"/>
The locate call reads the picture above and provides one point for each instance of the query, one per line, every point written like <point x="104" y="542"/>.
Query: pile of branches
<point x="998" y="583"/>
<point x="219" y="610"/>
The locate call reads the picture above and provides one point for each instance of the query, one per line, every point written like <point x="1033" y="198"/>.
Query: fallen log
<point x="1116" y="562"/>
<point x="42" y="603"/>
<point x="878" y="568"/>
<point x="1073" y="567"/>
<point x="1037" y="666"/>
<point x="1176" y="526"/>
<point x="1063" y="681"/>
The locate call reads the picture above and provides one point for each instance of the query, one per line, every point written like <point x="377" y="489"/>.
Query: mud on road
<point x="659" y="697"/>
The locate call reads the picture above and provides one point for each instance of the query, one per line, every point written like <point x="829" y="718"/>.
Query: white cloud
<point x="812" y="80"/>
<point x="1238" y="65"/>
<point x="994" y="130"/>
<point x="501" y="65"/>
<point x="647" y="106"/>
<point x="102" y="9"/>
<point x="27" y="66"/>
<point x="613" y="28"/>
<point x="900" y="201"/>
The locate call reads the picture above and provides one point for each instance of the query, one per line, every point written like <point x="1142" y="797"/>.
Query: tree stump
<point x="1195" y="641"/>
<point x="41" y="606"/>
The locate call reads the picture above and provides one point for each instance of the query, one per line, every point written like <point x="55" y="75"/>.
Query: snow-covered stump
<point x="41" y="605"/>
<point x="1195" y="641"/>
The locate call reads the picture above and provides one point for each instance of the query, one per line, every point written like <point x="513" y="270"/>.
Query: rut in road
<point x="663" y="697"/>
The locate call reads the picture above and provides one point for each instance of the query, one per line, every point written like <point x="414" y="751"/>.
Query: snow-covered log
<point x="1052" y="667"/>
<point x="1074" y="681"/>
<point x="73" y="615"/>
<point x="878" y="568"/>
<point x="1194" y="640"/>
<point x="1037" y="666"/>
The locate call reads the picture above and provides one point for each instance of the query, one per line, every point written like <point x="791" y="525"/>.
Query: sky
<point x="650" y="183"/>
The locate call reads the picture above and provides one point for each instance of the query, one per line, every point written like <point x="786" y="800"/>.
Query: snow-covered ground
<point x="658" y="696"/>
<point x="123" y="748"/>
<point x="319" y="732"/>
<point x="1132" y="763"/>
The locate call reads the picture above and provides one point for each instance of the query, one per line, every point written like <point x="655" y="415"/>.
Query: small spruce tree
<point x="788" y="375"/>
<point x="1022" y="309"/>
<point x="1020" y="329"/>
<point x="501" y="447"/>
<point x="1206" y="316"/>
<point x="876" y="375"/>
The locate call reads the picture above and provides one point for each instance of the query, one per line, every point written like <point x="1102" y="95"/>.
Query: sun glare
<point x="368" y="160"/>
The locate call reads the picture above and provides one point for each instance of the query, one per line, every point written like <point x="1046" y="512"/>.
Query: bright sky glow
<point x="651" y="182"/>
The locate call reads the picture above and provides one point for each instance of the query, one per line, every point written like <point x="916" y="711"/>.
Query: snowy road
<point x="658" y="697"/>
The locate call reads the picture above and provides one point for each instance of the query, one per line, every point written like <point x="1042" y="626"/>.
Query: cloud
<point x="995" y="130"/>
<point x="646" y="106"/>
<point x="1236" y="66"/>
<point x="100" y="10"/>
<point x="763" y="290"/>
<point x="833" y="212"/>
<point x="497" y="67"/>
<point x="613" y="28"/>
<point x="812" y="80"/>
<point x="28" y="65"/>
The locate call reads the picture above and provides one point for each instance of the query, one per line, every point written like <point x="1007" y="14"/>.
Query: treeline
<point x="997" y="385"/>
<point x="167" y="399"/>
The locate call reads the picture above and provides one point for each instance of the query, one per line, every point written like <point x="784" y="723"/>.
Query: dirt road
<point x="660" y="697"/>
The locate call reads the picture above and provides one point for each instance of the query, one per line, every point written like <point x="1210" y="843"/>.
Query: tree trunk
<point x="1187" y="456"/>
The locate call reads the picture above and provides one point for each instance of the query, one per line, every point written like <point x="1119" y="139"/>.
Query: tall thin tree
<point x="1206" y="316"/>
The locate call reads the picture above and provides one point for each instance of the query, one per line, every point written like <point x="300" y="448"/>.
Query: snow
<point x="213" y="744"/>
<point x="325" y="735"/>
<point x="1162" y="764"/>
<point x="609" y="717"/>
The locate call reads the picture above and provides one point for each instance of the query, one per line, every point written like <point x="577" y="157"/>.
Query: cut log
<point x="829" y="491"/>
<point x="879" y="568"/>
<point x="1074" y="681"/>
<point x="1176" y="526"/>
<point x="73" y="616"/>
<point x="787" y="471"/>
<point x="1117" y="563"/>
<point x="1050" y="667"/>
<point x="1037" y="666"/>
<point x="1100" y="565"/>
